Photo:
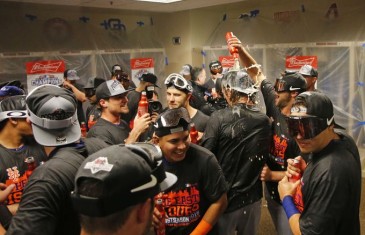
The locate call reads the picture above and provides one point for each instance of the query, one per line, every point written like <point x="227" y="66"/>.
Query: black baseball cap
<point x="53" y="113"/>
<point x="308" y="70"/>
<point x="115" y="68"/>
<point x="215" y="67"/>
<point x="128" y="175"/>
<point x="317" y="105"/>
<point x="13" y="107"/>
<point x="71" y="74"/>
<point x="291" y="81"/>
<point x="318" y="110"/>
<point x="172" y="121"/>
<point x="149" y="77"/>
<point x="94" y="82"/>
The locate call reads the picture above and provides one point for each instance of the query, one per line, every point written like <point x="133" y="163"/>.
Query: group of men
<point x="107" y="182"/>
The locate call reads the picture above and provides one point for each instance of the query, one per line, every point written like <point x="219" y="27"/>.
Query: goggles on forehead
<point x="179" y="82"/>
<point x="307" y="127"/>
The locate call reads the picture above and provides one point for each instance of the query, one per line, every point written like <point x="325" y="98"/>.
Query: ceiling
<point x="134" y="5"/>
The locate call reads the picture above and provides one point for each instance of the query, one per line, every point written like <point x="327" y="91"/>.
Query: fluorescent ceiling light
<point x="159" y="1"/>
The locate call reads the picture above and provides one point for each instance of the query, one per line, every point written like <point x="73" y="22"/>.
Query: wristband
<point x="289" y="206"/>
<point x="203" y="228"/>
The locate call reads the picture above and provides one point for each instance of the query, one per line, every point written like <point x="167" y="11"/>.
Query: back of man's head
<point x="52" y="111"/>
<point x="113" y="181"/>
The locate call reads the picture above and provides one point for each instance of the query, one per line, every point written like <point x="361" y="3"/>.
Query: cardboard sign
<point x="141" y="66"/>
<point x="44" y="72"/>
<point x="294" y="63"/>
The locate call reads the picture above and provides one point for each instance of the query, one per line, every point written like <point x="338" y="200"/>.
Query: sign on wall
<point x="141" y="66"/>
<point x="227" y="62"/>
<point x="294" y="63"/>
<point x="44" y="72"/>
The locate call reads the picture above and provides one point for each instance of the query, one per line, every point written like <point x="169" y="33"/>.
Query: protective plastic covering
<point x="90" y="41"/>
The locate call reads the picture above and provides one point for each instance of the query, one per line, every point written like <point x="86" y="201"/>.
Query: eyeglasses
<point x="172" y="117"/>
<point x="178" y="81"/>
<point x="307" y="127"/>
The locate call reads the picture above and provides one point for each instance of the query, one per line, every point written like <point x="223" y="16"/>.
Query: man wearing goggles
<point x="278" y="101"/>
<point x="178" y="94"/>
<point x="200" y="178"/>
<point x="327" y="198"/>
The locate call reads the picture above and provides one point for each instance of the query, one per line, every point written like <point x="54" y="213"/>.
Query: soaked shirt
<point x="240" y="138"/>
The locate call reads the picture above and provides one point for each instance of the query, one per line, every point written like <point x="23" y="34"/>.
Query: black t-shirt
<point x="109" y="132"/>
<point x="197" y="99"/>
<point x="93" y="113"/>
<point x="46" y="206"/>
<point x="13" y="167"/>
<point x="80" y="109"/>
<point x="200" y="183"/>
<point x="200" y="120"/>
<point x="283" y="146"/>
<point x="331" y="190"/>
<point x="240" y="138"/>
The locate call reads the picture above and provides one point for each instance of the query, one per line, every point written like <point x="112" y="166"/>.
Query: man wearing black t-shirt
<point x="17" y="146"/>
<point x="178" y="94"/>
<point x="112" y="98"/>
<point x="195" y="202"/>
<point x="278" y="98"/>
<point x="46" y="206"/>
<point x="70" y="83"/>
<point x="326" y="199"/>
<point x="240" y="136"/>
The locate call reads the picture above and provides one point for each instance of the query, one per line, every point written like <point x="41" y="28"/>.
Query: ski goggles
<point x="307" y="127"/>
<point x="179" y="82"/>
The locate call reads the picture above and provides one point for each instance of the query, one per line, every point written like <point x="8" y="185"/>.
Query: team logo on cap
<point x="61" y="139"/>
<point x="99" y="164"/>
<point x="299" y="109"/>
